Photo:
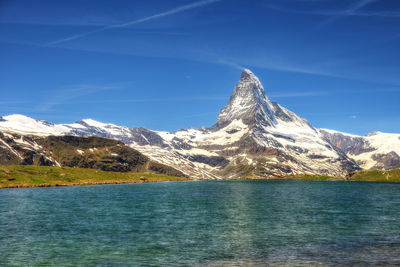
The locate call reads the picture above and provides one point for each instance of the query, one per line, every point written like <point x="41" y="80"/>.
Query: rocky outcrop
<point x="389" y="161"/>
<point x="143" y="136"/>
<point x="348" y="144"/>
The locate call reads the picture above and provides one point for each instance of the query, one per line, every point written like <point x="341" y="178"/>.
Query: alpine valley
<point x="252" y="138"/>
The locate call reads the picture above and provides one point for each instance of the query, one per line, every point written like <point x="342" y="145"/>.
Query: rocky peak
<point x="248" y="75"/>
<point x="247" y="103"/>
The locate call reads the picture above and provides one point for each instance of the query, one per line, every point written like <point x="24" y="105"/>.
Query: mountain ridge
<point x="253" y="137"/>
<point x="74" y="151"/>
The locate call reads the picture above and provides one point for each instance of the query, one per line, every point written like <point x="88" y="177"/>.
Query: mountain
<point x="252" y="138"/>
<point x="74" y="151"/>
<point x="377" y="150"/>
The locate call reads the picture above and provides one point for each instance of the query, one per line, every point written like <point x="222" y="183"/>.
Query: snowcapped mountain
<point x="248" y="103"/>
<point x="376" y="150"/>
<point x="253" y="137"/>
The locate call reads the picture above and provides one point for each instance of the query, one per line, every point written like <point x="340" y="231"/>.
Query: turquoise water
<point x="208" y="223"/>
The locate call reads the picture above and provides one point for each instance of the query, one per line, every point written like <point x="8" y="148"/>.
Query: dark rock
<point x="178" y="143"/>
<point x="284" y="137"/>
<point x="213" y="161"/>
<point x="387" y="161"/>
<point x="316" y="156"/>
<point x="143" y="136"/>
<point x="279" y="113"/>
<point x="347" y="144"/>
<point x="232" y="131"/>
<point x="297" y="149"/>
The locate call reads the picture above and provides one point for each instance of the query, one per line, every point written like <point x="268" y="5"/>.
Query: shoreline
<point x="29" y="176"/>
<point x="89" y="184"/>
<point x="178" y="180"/>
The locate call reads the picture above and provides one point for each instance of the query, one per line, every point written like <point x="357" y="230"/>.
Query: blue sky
<point x="167" y="65"/>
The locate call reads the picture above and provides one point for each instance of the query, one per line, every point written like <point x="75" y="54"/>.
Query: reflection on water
<point x="226" y="223"/>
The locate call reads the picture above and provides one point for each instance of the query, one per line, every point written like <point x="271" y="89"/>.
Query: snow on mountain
<point x="376" y="150"/>
<point x="23" y="124"/>
<point x="87" y="127"/>
<point x="253" y="137"/>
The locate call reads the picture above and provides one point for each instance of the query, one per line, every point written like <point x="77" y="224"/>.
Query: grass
<point x="360" y="176"/>
<point x="377" y="176"/>
<point x="43" y="176"/>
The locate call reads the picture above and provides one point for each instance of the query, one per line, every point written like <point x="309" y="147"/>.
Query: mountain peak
<point x="250" y="104"/>
<point x="17" y="116"/>
<point x="247" y="103"/>
<point x="25" y="124"/>
<point x="247" y="75"/>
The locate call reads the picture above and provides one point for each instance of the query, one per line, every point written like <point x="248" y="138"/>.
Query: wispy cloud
<point x="358" y="5"/>
<point x="230" y="64"/>
<point x="349" y="11"/>
<point x="235" y="63"/>
<point x="226" y="97"/>
<point x="161" y="99"/>
<point x="138" y="21"/>
<point x="65" y="95"/>
<point x="337" y="14"/>
<point x="213" y="58"/>
<point x="275" y="64"/>
<point x="332" y="92"/>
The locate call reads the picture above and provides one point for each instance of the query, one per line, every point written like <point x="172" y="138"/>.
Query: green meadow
<point x="42" y="176"/>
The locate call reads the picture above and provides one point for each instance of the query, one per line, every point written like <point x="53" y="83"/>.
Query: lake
<point x="202" y="223"/>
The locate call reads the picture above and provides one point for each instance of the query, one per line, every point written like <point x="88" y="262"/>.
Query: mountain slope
<point x="376" y="150"/>
<point x="73" y="151"/>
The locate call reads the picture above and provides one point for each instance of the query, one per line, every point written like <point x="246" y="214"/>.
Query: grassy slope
<point x="377" y="176"/>
<point x="33" y="176"/>
<point x="367" y="176"/>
